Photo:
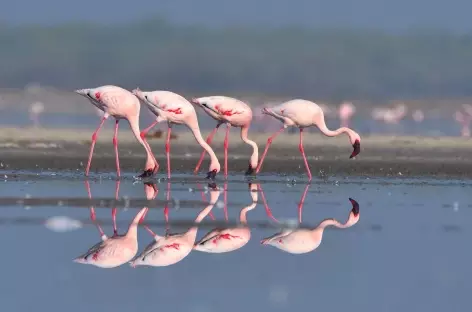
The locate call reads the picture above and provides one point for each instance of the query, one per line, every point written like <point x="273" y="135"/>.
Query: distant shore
<point x="67" y="149"/>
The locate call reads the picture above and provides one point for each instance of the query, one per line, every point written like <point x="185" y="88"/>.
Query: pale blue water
<point x="408" y="252"/>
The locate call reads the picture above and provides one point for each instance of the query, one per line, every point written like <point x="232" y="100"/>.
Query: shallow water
<point x="408" y="251"/>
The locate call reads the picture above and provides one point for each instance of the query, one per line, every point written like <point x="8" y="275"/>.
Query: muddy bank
<point x="380" y="156"/>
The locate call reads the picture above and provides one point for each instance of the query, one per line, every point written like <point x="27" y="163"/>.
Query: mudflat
<point x="67" y="149"/>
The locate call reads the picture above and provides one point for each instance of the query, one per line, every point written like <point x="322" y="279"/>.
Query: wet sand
<point x="67" y="149"/>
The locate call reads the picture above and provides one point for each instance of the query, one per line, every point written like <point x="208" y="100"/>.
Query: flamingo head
<point x="91" y="94"/>
<point x="136" y="262"/>
<point x="355" y="213"/>
<point x="356" y="143"/>
<point x="144" y="96"/>
<point x="203" y="245"/>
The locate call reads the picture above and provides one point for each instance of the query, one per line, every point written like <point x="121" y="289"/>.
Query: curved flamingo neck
<point x="320" y="122"/>
<point x="255" y="149"/>
<point x="133" y="227"/>
<point x="243" y="213"/>
<point x="198" y="136"/>
<point x="134" y="125"/>
<point x="191" y="234"/>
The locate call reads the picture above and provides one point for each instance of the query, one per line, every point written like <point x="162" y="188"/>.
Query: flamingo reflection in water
<point x="299" y="241"/>
<point x="114" y="251"/>
<point x="172" y="248"/>
<point x="222" y="240"/>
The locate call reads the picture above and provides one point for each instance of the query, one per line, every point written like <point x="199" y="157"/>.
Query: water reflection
<point x="172" y="248"/>
<point x="221" y="240"/>
<point x="299" y="241"/>
<point x="114" y="251"/>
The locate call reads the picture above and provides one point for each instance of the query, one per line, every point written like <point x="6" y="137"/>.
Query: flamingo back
<point x="225" y="240"/>
<point x="227" y="109"/>
<point x="300" y="113"/>
<point x="118" y="102"/>
<point x="164" y="252"/>
<point x="296" y="242"/>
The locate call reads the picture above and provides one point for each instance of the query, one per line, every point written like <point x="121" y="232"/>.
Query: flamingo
<point x="302" y="114"/>
<point x="172" y="248"/>
<point x="114" y="251"/>
<point x="345" y="112"/>
<point x="230" y="239"/>
<point x="121" y="104"/>
<point x="175" y="109"/>
<point x="232" y="112"/>
<point x="299" y="241"/>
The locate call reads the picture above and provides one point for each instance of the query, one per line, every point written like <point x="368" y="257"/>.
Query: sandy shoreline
<point x="67" y="149"/>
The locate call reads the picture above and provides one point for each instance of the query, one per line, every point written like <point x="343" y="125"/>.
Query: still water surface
<point x="409" y="251"/>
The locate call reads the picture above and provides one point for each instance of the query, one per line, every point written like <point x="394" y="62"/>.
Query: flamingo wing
<point x="211" y="235"/>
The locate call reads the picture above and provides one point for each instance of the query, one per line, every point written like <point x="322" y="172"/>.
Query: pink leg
<point x="225" y="189"/>
<point x="266" y="206"/>
<point x="303" y="154"/>
<point x="149" y="230"/>
<point x="169" y="130"/>
<point x="302" y="201"/>
<point x="92" y="211"/>
<point x="269" y="142"/>
<point x="113" y="211"/>
<point x="204" y="200"/>
<point x="208" y="140"/>
<point x="94" y="139"/>
<point x="166" y="208"/>
<point x="226" y="143"/>
<point x="115" y="144"/>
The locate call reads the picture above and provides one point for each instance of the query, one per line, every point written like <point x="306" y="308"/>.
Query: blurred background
<point x="381" y="67"/>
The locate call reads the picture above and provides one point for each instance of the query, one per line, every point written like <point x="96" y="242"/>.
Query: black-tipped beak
<point x="213" y="186"/>
<point x="211" y="175"/>
<point x="249" y="171"/>
<point x="147" y="173"/>
<point x="355" y="207"/>
<point x="357" y="149"/>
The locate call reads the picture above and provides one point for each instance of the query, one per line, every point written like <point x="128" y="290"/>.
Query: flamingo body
<point x="231" y="112"/>
<point x="175" y="109"/>
<point x="170" y="249"/>
<point x="121" y="104"/>
<point x="301" y="241"/>
<point x="224" y="240"/>
<point x="302" y="114"/>
<point x="116" y="250"/>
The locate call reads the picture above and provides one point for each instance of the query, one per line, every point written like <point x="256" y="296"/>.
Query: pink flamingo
<point x="234" y="113"/>
<point x="464" y="119"/>
<point x="302" y="114"/>
<point x="230" y="239"/>
<point x="172" y="248"/>
<point x="116" y="250"/>
<point x="175" y="109"/>
<point x="121" y="104"/>
<point x="346" y="110"/>
<point x="299" y="241"/>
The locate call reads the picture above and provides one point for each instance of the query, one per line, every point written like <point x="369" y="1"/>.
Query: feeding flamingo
<point x="222" y="240"/>
<point x="172" y="248"/>
<point x="231" y="112"/>
<point x="116" y="250"/>
<point x="299" y="241"/>
<point x="175" y="109"/>
<point x="302" y="114"/>
<point x="121" y="104"/>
